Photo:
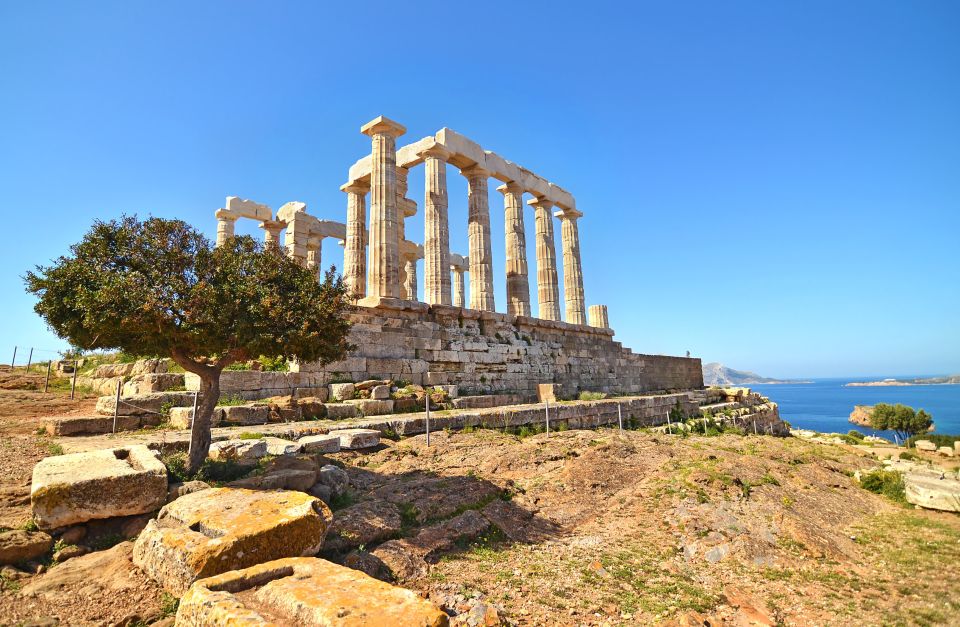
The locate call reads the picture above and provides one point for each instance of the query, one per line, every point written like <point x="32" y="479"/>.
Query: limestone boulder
<point x="326" y="443"/>
<point x="312" y="408"/>
<point x="335" y="478"/>
<point x="107" y="371"/>
<point x="925" y="445"/>
<point x="341" y="391"/>
<point x="352" y="439"/>
<point x="90" y="425"/>
<point x="241" y="451"/>
<point x="150" y="383"/>
<point x="143" y="404"/>
<point x="372" y="407"/>
<point x="339" y="411"/>
<point x="75" y="488"/>
<point x="226" y="529"/>
<point x="279" y="446"/>
<point x="946" y="451"/>
<point x="931" y="492"/>
<point x="150" y="366"/>
<point x="380" y="392"/>
<point x="18" y="546"/>
<point x="303" y="591"/>
<point x="244" y="414"/>
<point x="176" y="490"/>
<point x="365" y="523"/>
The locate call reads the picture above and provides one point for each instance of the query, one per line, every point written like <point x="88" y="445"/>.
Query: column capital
<point x="381" y="125"/>
<point x="436" y="151"/>
<point x="512" y="187"/>
<point x="273" y="224"/>
<point x="314" y="243"/>
<point x="355" y="187"/>
<point x="225" y="214"/>
<point x="568" y="214"/>
<point x="540" y="201"/>
<point x="475" y="171"/>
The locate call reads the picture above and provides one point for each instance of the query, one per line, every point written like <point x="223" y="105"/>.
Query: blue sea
<point x="825" y="404"/>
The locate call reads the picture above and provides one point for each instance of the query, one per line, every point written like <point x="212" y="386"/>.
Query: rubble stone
<point x="222" y="529"/>
<point x="75" y="488"/>
<point x="242" y="451"/>
<point x="327" y="443"/>
<point x="18" y="546"/>
<point x="372" y="407"/>
<point x="341" y="391"/>
<point x="352" y="439"/>
<point x="339" y="411"/>
<point x="303" y="591"/>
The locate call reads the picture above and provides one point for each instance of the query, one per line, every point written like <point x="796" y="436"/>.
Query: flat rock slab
<point x="75" y="488"/>
<point x="221" y="529"/>
<point x="372" y="407"/>
<point x="365" y="523"/>
<point x="931" y="492"/>
<point x="279" y="446"/>
<point x="144" y="404"/>
<point x="304" y="591"/>
<point x="328" y="443"/>
<point x="17" y="545"/>
<point x="352" y="439"/>
<point x="242" y="451"/>
<point x="90" y="425"/>
<point x="340" y="411"/>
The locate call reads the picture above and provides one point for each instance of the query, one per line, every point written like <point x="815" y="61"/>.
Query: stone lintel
<point x="398" y="304"/>
<point x="248" y="209"/>
<point x="355" y="187"/>
<point x="381" y="125"/>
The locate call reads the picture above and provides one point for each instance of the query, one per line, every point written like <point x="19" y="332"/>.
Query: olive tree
<point x="158" y="287"/>
<point x="903" y="420"/>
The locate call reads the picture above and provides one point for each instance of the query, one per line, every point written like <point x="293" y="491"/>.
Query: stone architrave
<point x="355" y="246"/>
<point x="226" y="223"/>
<point x="478" y="231"/>
<point x="548" y="289"/>
<point x="383" y="279"/>
<point x="518" y="285"/>
<point x="436" y="238"/>
<point x="572" y="270"/>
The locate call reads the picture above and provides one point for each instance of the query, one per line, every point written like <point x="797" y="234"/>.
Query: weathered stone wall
<point x="487" y="352"/>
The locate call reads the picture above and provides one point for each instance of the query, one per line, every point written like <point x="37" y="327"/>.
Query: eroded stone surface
<point x="70" y="489"/>
<point x="327" y="443"/>
<point x="351" y="439"/>
<point x="243" y="451"/>
<point x="17" y="545"/>
<point x="213" y="531"/>
<point x="363" y="524"/>
<point x="304" y="591"/>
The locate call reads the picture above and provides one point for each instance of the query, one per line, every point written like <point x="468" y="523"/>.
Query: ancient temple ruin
<point x="445" y="339"/>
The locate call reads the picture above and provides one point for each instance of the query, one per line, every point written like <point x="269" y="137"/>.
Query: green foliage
<point x="886" y="482"/>
<point x="247" y="435"/>
<point x="240" y="365"/>
<point x="676" y="413"/>
<point x="157" y="287"/>
<point x="592" y="396"/>
<point x="274" y="364"/>
<point x="30" y="525"/>
<point x="903" y="420"/>
<point x="341" y="501"/>
<point x="168" y="605"/>
<point x="853" y="433"/>
<point x="231" y="400"/>
<point x="908" y="456"/>
<point x="940" y="439"/>
<point x="211" y="471"/>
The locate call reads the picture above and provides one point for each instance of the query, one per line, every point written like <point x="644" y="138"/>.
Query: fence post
<point x="30" y="359"/>
<point x="546" y="409"/>
<point x="46" y="382"/>
<point x="426" y="398"/>
<point x="755" y="426"/>
<point x="73" y="384"/>
<point x="669" y="424"/>
<point x="620" y="416"/>
<point x="116" y="406"/>
<point x="14" y="360"/>
<point x="196" y="397"/>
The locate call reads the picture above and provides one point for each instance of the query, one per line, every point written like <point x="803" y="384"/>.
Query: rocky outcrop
<point x="18" y="546"/>
<point x="861" y="415"/>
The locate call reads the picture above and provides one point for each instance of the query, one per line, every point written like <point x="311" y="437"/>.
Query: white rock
<point x="352" y="439"/>
<point x="328" y="443"/>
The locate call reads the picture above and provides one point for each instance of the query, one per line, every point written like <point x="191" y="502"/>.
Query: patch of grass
<point x="30" y="525"/>
<point x="212" y="471"/>
<point x="908" y="456"/>
<point x="53" y="448"/>
<point x="342" y="500"/>
<point x="768" y="479"/>
<point x="106" y="541"/>
<point x="886" y="482"/>
<point x="168" y="605"/>
<point x="408" y="517"/>
<point x="9" y="585"/>
<point x="592" y="396"/>
<point x="250" y="435"/>
<point x="231" y="400"/>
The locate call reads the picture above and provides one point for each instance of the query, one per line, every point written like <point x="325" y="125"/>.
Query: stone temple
<point x="447" y="340"/>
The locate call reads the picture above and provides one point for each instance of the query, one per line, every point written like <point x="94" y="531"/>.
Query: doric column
<point x="355" y="246"/>
<point x="548" y="290"/>
<point x="314" y="245"/>
<point x="598" y="316"/>
<point x="271" y="232"/>
<point x="518" y="285"/>
<point x="436" y="236"/>
<point x="478" y="232"/>
<point x="225" y="225"/>
<point x="458" y="287"/>
<point x="572" y="271"/>
<point x="410" y="281"/>
<point x="384" y="271"/>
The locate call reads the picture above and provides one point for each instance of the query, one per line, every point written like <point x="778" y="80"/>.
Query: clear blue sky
<point x="773" y="185"/>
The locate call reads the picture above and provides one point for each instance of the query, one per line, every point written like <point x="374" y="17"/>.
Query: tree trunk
<point x="200" y="430"/>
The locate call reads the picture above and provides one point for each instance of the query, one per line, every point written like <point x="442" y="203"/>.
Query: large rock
<point x="90" y="425"/>
<point x="372" y="407"/>
<point x="150" y="383"/>
<point x="351" y="439"/>
<point x="380" y="392"/>
<point x="286" y="479"/>
<point x="365" y="523"/>
<point x="303" y="591"/>
<point x="279" y="446"/>
<point x="861" y="415"/>
<point x="150" y="366"/>
<point x="143" y="404"/>
<point x="241" y="451"/>
<point x="931" y="492"/>
<point x="340" y="391"/>
<point x="339" y="411"/>
<point x="214" y="531"/>
<point x="75" y="488"/>
<point x="925" y="445"/>
<point x="244" y="414"/>
<point x="20" y="546"/>
<point x="327" y="443"/>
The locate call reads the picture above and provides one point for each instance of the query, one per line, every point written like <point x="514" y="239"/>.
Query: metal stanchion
<point x="546" y="408"/>
<point x="116" y="407"/>
<point x="620" y="416"/>
<point x="427" y="398"/>
<point x="14" y="360"/>
<point x="46" y="382"/>
<point x="73" y="384"/>
<point x="30" y="359"/>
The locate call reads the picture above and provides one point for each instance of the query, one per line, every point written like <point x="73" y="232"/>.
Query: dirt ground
<point x="592" y="528"/>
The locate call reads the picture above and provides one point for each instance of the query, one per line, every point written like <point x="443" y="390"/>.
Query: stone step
<point x="93" y="425"/>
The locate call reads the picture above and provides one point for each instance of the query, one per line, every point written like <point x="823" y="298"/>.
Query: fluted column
<point x="548" y="289"/>
<point x="478" y="231"/>
<point x="572" y="271"/>
<point x="271" y="232"/>
<point x="226" y="224"/>
<point x="598" y="316"/>
<point x="410" y="282"/>
<point x="355" y="247"/>
<point x="518" y="285"/>
<point x="436" y="236"/>
<point x="314" y="254"/>
<point x="383" y="279"/>
<point x="458" y="287"/>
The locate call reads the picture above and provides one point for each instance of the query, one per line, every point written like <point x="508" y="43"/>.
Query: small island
<point x="945" y="380"/>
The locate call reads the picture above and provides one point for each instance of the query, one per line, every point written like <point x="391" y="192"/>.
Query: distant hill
<point x="953" y="379"/>
<point x="718" y="374"/>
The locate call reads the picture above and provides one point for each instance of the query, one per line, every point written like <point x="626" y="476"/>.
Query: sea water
<point x="825" y="404"/>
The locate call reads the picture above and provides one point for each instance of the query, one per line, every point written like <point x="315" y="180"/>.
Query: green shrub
<point x="231" y="400"/>
<point x="908" y="456"/>
<point x="249" y="435"/>
<point x="886" y="482"/>
<point x="853" y="433"/>
<point x="274" y="364"/>
<point x="940" y="439"/>
<point x="592" y="396"/>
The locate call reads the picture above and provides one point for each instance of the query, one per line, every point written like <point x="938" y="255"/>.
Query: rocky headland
<point x="716" y="373"/>
<point x="946" y="380"/>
